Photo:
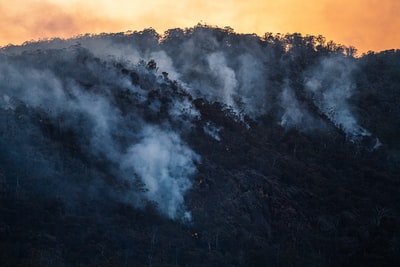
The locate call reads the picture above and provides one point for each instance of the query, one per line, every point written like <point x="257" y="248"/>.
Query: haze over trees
<point x="198" y="147"/>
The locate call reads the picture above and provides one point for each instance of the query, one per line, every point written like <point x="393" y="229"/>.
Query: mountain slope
<point x="201" y="147"/>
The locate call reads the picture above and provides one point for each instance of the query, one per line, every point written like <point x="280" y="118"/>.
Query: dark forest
<point x="199" y="147"/>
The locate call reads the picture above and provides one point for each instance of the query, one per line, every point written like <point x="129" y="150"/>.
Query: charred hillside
<point x="200" y="147"/>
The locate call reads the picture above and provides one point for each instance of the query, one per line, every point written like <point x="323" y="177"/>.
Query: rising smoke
<point x="331" y="85"/>
<point x="102" y="94"/>
<point x="77" y="92"/>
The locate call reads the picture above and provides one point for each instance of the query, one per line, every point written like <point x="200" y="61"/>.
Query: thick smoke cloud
<point x="225" y="77"/>
<point x="164" y="164"/>
<point x="293" y="115"/>
<point x="331" y="86"/>
<point x="133" y="113"/>
<point x="222" y="70"/>
<point x="76" y="92"/>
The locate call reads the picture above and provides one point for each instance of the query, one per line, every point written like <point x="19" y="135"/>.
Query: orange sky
<point x="366" y="24"/>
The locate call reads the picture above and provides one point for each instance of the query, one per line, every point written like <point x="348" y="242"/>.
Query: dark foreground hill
<point x="201" y="147"/>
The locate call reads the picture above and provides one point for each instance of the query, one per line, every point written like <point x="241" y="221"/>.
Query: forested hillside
<point x="198" y="147"/>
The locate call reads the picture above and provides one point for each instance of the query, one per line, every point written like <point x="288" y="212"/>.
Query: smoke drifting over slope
<point x="331" y="85"/>
<point x="78" y="93"/>
<point x="127" y="100"/>
<point x="164" y="164"/>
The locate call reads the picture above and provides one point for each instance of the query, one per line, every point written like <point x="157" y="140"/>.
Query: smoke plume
<point x="127" y="100"/>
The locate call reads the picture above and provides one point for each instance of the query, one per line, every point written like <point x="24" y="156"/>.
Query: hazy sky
<point x="366" y="24"/>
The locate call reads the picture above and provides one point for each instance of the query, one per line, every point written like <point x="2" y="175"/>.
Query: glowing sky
<point x="366" y="24"/>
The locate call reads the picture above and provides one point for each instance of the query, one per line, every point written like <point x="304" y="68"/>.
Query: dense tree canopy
<point x="199" y="147"/>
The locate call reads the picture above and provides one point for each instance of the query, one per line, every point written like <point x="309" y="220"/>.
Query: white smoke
<point x="159" y="158"/>
<point x="293" y="115"/>
<point x="99" y="87"/>
<point x="165" y="63"/>
<point x="225" y="77"/>
<point x="252" y="85"/>
<point x="231" y="69"/>
<point x="164" y="164"/>
<point x="331" y="86"/>
<point x="212" y="131"/>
